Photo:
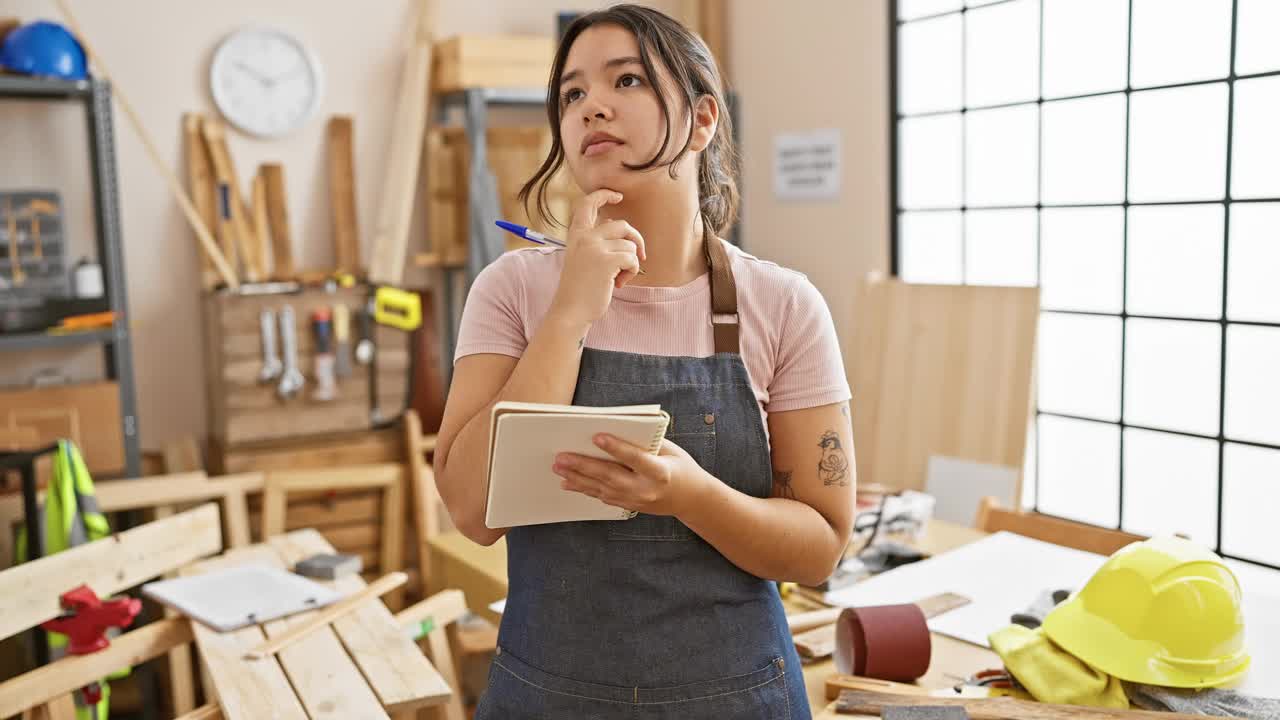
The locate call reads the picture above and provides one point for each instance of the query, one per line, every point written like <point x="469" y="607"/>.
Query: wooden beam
<point x="443" y="608"/>
<point x="992" y="518"/>
<point x="224" y="169"/>
<point x="404" y="159"/>
<point x="182" y="455"/>
<point x="395" y="668"/>
<point x="425" y="497"/>
<point x="60" y="708"/>
<point x="200" y="184"/>
<point x="75" y="671"/>
<point x="258" y="215"/>
<point x="323" y="618"/>
<point x="29" y="592"/>
<point x="204" y="712"/>
<point x="391" y="542"/>
<point x="355" y="477"/>
<point x="1001" y="708"/>
<point x="342" y="194"/>
<point x="278" y="220"/>
<point x="182" y="691"/>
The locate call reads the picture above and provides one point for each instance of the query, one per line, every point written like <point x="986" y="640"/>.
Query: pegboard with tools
<point x="32" y="248"/>
<point x="303" y="363"/>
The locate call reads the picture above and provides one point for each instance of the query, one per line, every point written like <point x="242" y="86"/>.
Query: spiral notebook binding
<point x="654" y="446"/>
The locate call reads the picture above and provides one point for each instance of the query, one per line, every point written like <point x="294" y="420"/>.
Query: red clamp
<point x="88" y="617"/>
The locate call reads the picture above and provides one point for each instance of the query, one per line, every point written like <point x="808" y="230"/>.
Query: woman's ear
<point x="706" y="118"/>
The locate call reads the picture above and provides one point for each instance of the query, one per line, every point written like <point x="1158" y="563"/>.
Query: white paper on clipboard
<point x="241" y="595"/>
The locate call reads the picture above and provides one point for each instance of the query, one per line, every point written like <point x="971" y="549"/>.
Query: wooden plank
<point x="391" y="233"/>
<point x="346" y="478"/>
<point x="425" y="497"/>
<point x="323" y="676"/>
<point x="60" y="708"/>
<point x="75" y="671"/>
<point x="342" y="194"/>
<point x="949" y="373"/>
<point x="182" y="691"/>
<point x="358" y="448"/>
<point x="323" y="618"/>
<point x="274" y="498"/>
<point x="245" y="689"/>
<point x="204" y="712"/>
<point x="29" y="592"/>
<point x="391" y="545"/>
<point x="182" y="455"/>
<point x="201" y="186"/>
<point x="361" y="508"/>
<point x="836" y="683"/>
<point x="1090" y="538"/>
<point x="1003" y="708"/>
<point x="236" y="516"/>
<point x="443" y="608"/>
<point x="395" y="668"/>
<point x="224" y="169"/>
<point x="278" y="220"/>
<point x="261" y="233"/>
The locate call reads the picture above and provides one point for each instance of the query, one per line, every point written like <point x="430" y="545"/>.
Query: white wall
<point x="803" y="66"/>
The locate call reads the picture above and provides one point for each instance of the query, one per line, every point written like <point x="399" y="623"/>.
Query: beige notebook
<point x="523" y="444"/>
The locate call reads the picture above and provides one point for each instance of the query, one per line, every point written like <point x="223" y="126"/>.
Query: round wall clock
<point x="265" y="82"/>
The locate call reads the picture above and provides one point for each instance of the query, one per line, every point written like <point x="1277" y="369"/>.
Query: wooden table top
<point x="362" y="666"/>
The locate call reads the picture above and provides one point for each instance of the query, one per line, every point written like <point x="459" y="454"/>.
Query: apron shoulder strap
<point x="724" y="294"/>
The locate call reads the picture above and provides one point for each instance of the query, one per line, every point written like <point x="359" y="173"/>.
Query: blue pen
<point x="531" y="235"/>
<point x="527" y="234"/>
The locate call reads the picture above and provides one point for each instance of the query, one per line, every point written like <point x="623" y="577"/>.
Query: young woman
<point x="673" y="613"/>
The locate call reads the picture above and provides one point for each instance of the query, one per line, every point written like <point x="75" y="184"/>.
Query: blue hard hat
<point x="46" y="49"/>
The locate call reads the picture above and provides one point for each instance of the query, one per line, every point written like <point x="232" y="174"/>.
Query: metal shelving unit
<point x="116" y="343"/>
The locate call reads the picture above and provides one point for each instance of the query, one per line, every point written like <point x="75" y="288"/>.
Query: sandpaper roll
<point x="886" y="642"/>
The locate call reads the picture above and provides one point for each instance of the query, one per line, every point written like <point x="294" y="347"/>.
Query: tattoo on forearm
<point x="782" y="485"/>
<point x="833" y="466"/>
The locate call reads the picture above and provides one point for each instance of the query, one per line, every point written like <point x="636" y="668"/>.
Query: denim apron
<point x="641" y="618"/>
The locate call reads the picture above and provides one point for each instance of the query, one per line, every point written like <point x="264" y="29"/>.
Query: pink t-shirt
<point x="787" y="340"/>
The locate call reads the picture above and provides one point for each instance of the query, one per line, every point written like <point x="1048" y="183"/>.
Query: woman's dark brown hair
<point x="689" y="62"/>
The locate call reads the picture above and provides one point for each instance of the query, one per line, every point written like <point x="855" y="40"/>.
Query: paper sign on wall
<point x="806" y="166"/>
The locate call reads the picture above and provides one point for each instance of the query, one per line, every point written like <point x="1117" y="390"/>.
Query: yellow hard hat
<point x="1163" y="611"/>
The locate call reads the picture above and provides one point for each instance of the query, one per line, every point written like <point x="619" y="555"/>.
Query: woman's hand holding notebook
<point x="526" y="437"/>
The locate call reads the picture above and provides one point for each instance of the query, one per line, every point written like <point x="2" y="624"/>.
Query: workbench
<point x="481" y="573"/>
<point x="362" y="666"/>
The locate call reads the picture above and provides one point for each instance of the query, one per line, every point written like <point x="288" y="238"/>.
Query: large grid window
<point x="1124" y="155"/>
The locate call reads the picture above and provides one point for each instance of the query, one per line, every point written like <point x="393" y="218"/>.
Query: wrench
<point x="291" y="381"/>
<point x="271" y="365"/>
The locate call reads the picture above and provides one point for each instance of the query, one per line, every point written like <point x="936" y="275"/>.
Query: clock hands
<point x="257" y="75"/>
